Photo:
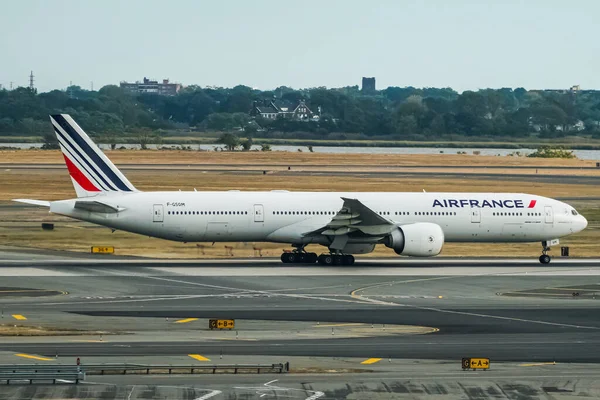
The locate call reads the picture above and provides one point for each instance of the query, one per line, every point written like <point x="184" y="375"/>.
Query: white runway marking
<point x="400" y="266"/>
<point x="269" y="388"/>
<point x="209" y="395"/>
<point x="130" y="393"/>
<point x="33" y="272"/>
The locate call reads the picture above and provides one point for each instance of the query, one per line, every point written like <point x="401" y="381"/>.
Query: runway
<point x="413" y="320"/>
<point x="464" y="300"/>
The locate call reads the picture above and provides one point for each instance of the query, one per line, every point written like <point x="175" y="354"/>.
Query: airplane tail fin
<point x="91" y="171"/>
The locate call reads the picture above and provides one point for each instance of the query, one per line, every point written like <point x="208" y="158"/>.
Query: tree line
<point x="397" y="113"/>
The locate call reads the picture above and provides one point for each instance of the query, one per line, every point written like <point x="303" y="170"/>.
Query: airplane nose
<point x="584" y="223"/>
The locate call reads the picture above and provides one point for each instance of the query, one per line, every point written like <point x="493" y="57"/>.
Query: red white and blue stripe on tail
<point x="91" y="171"/>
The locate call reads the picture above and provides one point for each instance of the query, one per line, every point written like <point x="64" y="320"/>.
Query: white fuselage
<point x="281" y="216"/>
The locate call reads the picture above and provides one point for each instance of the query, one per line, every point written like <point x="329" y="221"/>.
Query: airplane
<point x="349" y="223"/>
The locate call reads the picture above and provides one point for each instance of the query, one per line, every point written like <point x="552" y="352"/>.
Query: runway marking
<point x="533" y="321"/>
<point x="256" y="291"/>
<point x="579" y="290"/>
<point x="234" y="339"/>
<point x="239" y="290"/>
<point x="29" y="291"/>
<point x="33" y="357"/>
<point x="209" y="395"/>
<point x="90" y="341"/>
<point x="19" y="317"/>
<point x="371" y="361"/>
<point x="269" y="389"/>
<point x="185" y="321"/>
<point x="357" y="296"/>
<point x="334" y="325"/>
<point x="198" y="357"/>
<point x="130" y="393"/>
<point x="537" y="364"/>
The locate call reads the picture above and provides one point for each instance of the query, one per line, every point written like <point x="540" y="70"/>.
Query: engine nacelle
<point x="422" y="239"/>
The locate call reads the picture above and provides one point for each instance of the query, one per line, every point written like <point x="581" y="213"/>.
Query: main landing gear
<point x="336" y="259"/>
<point x="545" y="258"/>
<point x="301" y="257"/>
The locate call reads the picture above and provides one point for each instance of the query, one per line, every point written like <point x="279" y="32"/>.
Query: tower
<point x="368" y="85"/>
<point x="31" y="81"/>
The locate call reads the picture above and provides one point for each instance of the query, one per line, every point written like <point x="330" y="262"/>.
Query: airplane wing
<point x="357" y="219"/>
<point x="96" y="206"/>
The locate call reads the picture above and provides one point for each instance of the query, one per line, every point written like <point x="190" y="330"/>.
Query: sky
<point x="466" y="45"/>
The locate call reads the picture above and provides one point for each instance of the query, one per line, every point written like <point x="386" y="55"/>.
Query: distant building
<point x="575" y="89"/>
<point x="368" y="85"/>
<point x="147" y="86"/>
<point x="271" y="109"/>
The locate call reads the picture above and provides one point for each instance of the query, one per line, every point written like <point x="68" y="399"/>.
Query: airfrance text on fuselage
<point x="460" y="203"/>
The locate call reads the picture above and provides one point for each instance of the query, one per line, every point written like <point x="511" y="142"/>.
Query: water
<point x="581" y="154"/>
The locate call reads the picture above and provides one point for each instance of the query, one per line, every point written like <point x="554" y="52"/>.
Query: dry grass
<point x="122" y="157"/>
<point x="21" y="330"/>
<point x="55" y="184"/>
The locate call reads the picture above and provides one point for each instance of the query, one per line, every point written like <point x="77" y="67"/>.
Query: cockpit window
<point x="573" y="212"/>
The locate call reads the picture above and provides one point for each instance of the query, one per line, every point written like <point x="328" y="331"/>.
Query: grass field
<point x="20" y="226"/>
<point x="582" y="143"/>
<point x="122" y="157"/>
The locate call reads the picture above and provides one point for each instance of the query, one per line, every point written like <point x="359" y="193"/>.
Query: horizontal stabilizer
<point x="96" y="206"/>
<point x="41" y="203"/>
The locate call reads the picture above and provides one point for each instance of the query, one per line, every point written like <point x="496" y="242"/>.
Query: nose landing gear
<point x="545" y="258"/>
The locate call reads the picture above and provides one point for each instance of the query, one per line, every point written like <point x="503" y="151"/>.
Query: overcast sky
<point x="264" y="43"/>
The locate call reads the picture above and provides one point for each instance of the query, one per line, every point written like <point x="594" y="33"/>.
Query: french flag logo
<point x="532" y="204"/>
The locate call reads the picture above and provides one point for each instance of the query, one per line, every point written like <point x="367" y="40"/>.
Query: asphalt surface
<point x="463" y="300"/>
<point x="321" y="320"/>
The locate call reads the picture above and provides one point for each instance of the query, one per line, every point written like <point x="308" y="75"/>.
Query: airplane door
<point x="259" y="213"/>
<point x="475" y="215"/>
<point x="157" y="213"/>
<point x="549" y="214"/>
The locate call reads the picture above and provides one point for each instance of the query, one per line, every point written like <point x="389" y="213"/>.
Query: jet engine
<point x="422" y="239"/>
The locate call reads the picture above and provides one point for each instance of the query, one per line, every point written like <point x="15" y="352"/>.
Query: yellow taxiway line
<point x="198" y="357"/>
<point x="19" y="317"/>
<point x="537" y="364"/>
<point x="33" y="357"/>
<point x="335" y="325"/>
<point x="371" y="361"/>
<point x="185" y="321"/>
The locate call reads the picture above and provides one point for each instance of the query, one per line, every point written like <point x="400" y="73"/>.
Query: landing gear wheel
<point x="326" y="259"/>
<point x="347" y="259"/>
<point x="289" y="258"/>
<point x="545" y="259"/>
